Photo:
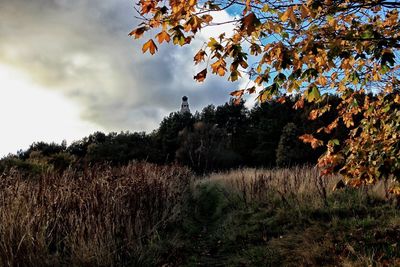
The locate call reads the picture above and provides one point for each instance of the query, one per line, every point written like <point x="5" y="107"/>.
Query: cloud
<point x="81" y="49"/>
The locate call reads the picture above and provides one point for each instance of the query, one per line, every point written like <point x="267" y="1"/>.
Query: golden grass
<point x="102" y="216"/>
<point x="301" y="182"/>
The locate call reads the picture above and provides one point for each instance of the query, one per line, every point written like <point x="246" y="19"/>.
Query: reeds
<point x="102" y="216"/>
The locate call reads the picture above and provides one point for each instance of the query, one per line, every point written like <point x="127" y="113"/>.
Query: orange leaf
<point x="163" y="36"/>
<point x="281" y="100"/>
<point x="313" y="114"/>
<point x="288" y="14"/>
<point x="299" y="104"/>
<point x="304" y="11"/>
<point x="237" y="93"/>
<point x="331" y="126"/>
<point x="150" y="46"/>
<point x="199" y="56"/>
<point x="395" y="191"/>
<point x="219" y="67"/>
<point x="355" y="182"/>
<point x="138" y="32"/>
<point x="207" y="18"/>
<point x="147" y="6"/>
<point x="201" y="76"/>
<point x="308" y="138"/>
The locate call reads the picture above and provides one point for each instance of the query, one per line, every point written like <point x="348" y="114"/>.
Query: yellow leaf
<point x="322" y="80"/>
<point x="397" y="99"/>
<point x="150" y="46"/>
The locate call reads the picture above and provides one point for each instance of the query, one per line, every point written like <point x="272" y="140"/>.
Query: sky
<point x="69" y="68"/>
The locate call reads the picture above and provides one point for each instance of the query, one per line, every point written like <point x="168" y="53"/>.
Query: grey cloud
<point x="82" y="49"/>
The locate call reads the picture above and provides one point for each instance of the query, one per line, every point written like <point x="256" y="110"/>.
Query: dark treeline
<point x="217" y="138"/>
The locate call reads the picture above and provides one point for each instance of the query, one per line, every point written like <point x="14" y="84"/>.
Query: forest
<point x="217" y="138"/>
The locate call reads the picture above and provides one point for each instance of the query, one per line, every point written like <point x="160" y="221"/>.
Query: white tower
<point x="185" y="105"/>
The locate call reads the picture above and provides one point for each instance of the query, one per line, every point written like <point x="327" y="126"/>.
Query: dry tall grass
<point x="299" y="184"/>
<point x="100" y="217"/>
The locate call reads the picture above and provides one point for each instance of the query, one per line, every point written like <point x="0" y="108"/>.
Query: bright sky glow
<point x="30" y="113"/>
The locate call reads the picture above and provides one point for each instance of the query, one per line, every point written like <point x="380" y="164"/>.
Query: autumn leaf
<point x="395" y="191"/>
<point x="201" y="76"/>
<point x="193" y="24"/>
<point x="234" y="76"/>
<point x="299" y="104"/>
<point x="314" y="114"/>
<point x="237" y="93"/>
<point x="137" y="33"/>
<point x="207" y="18"/>
<point x="219" y="67"/>
<point x="313" y="93"/>
<point x="281" y="100"/>
<point x="251" y="90"/>
<point x="308" y="138"/>
<point x="355" y="182"/>
<point x="331" y="126"/>
<point x="150" y="46"/>
<point x="289" y="14"/>
<point x="163" y="36"/>
<point x="147" y="6"/>
<point x="305" y="11"/>
<point x="249" y="23"/>
<point x="199" y="57"/>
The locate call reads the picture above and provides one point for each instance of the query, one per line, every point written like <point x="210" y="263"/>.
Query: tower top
<point x="185" y="105"/>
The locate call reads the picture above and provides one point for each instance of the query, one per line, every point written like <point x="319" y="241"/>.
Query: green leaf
<point x="386" y="108"/>
<point x="313" y="93"/>
<point x="335" y="142"/>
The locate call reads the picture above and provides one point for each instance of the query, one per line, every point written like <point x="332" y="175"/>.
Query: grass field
<point x="147" y="215"/>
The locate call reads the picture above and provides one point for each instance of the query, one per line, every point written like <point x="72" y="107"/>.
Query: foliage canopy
<point x="308" y="48"/>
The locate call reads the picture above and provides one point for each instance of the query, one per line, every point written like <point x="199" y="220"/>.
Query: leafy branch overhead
<point x="309" y="48"/>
